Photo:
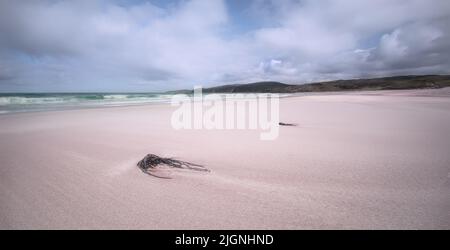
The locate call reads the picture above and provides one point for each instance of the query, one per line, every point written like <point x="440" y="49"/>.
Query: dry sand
<point x="357" y="160"/>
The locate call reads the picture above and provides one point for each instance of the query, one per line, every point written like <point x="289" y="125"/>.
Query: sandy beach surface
<point x="368" y="160"/>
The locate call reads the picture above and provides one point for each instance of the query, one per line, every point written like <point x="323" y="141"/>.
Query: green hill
<point x="385" y="83"/>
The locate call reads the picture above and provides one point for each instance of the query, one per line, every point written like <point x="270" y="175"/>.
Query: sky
<point x="137" y="45"/>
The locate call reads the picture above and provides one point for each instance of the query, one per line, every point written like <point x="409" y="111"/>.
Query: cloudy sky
<point x="118" y="45"/>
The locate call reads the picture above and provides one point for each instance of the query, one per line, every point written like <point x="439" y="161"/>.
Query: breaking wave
<point x="48" y="101"/>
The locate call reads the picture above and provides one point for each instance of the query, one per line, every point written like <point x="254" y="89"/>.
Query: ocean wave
<point x="13" y="103"/>
<point x="29" y="100"/>
<point x="37" y="99"/>
<point x="50" y="101"/>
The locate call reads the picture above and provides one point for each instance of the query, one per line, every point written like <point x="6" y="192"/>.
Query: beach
<point x="355" y="160"/>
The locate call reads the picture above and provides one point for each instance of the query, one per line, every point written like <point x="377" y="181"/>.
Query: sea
<point x="34" y="102"/>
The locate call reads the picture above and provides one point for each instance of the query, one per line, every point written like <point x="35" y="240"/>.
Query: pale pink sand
<point x="355" y="161"/>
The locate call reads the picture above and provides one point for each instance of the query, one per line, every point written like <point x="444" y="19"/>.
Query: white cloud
<point x="103" y="45"/>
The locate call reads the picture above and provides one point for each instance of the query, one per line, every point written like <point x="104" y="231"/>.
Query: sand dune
<point x="378" y="161"/>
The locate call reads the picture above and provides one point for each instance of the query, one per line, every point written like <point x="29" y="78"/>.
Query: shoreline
<point x="437" y="93"/>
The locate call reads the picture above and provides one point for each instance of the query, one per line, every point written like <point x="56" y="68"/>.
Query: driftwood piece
<point x="151" y="161"/>
<point x="286" y="124"/>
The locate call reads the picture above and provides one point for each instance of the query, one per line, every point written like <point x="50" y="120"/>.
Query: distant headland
<point x="384" y="83"/>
